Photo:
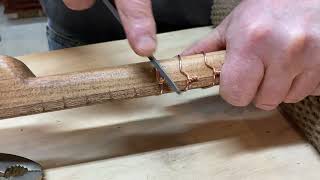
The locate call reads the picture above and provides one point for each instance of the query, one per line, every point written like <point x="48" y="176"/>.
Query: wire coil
<point x="190" y="79"/>
<point x="214" y="70"/>
<point x="160" y="80"/>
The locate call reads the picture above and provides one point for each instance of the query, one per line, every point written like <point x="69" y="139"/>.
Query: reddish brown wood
<point x="22" y="93"/>
<point x="13" y="6"/>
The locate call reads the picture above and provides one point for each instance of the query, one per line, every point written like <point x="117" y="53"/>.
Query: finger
<point x="215" y="41"/>
<point x="79" y="5"/>
<point x="139" y="25"/>
<point x="303" y="85"/>
<point x="274" y="88"/>
<point x="317" y="91"/>
<point x="240" y="77"/>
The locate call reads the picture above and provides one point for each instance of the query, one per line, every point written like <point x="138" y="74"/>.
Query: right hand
<point x="137" y="19"/>
<point x="78" y="5"/>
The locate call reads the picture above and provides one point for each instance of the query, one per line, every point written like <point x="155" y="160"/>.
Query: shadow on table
<point x="199" y="121"/>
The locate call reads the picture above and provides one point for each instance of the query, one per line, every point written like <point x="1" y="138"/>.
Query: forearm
<point x="79" y="4"/>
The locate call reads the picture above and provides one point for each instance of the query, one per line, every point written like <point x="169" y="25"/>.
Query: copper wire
<point x="160" y="80"/>
<point x="190" y="80"/>
<point x="215" y="72"/>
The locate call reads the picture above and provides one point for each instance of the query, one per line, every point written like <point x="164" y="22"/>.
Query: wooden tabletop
<point x="192" y="136"/>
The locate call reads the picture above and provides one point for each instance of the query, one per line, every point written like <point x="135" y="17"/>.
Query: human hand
<point x="273" y="52"/>
<point x="79" y="5"/>
<point x="137" y="19"/>
<point x="139" y="25"/>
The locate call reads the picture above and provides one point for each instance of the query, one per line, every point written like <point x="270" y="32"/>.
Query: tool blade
<point x="163" y="74"/>
<point x="152" y="59"/>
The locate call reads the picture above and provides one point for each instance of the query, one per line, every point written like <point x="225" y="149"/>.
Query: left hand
<point x="273" y="52"/>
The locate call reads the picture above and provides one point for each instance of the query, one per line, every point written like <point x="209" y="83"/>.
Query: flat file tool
<point x="152" y="59"/>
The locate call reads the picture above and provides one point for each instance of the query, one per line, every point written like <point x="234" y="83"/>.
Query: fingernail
<point x="290" y="101"/>
<point x="267" y="107"/>
<point x="146" y="46"/>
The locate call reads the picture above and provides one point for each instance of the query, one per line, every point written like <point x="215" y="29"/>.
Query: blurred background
<point x="22" y="27"/>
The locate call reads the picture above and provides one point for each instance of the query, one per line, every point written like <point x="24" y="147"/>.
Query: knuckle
<point x="236" y="98"/>
<point x="258" y="33"/>
<point x="238" y="87"/>
<point x="297" y="41"/>
<point x="143" y="26"/>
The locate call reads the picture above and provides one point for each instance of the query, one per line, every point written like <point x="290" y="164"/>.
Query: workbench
<point x="180" y="137"/>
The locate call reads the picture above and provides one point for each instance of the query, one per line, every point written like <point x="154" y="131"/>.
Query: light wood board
<point x="188" y="137"/>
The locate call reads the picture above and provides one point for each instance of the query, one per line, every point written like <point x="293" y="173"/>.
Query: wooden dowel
<point x="22" y="93"/>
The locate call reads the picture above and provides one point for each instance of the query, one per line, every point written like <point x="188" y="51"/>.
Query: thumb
<point x="215" y="41"/>
<point x="139" y="25"/>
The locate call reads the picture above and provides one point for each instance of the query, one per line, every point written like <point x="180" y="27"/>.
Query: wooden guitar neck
<point x="22" y="93"/>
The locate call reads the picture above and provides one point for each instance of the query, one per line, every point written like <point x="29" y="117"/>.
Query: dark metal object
<point x="152" y="59"/>
<point x="13" y="167"/>
<point x="163" y="74"/>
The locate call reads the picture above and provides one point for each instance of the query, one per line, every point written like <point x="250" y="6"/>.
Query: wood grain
<point x="191" y="136"/>
<point x="22" y="93"/>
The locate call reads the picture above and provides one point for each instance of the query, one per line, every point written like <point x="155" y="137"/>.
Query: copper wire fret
<point x="160" y="80"/>
<point x="215" y="72"/>
<point x="190" y="80"/>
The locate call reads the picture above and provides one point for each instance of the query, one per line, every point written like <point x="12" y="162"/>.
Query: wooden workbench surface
<point x="188" y="137"/>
